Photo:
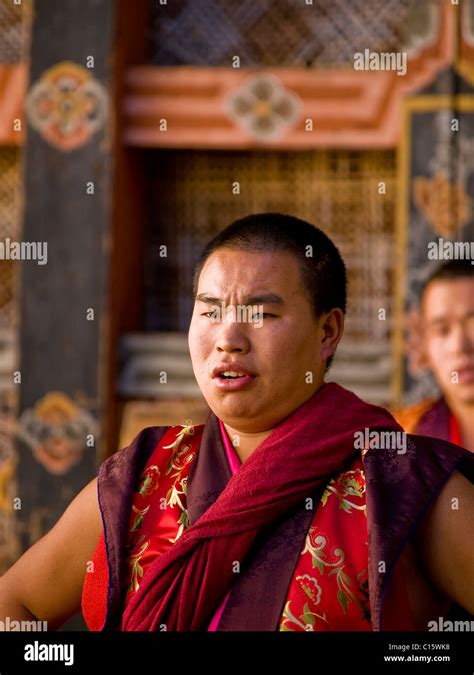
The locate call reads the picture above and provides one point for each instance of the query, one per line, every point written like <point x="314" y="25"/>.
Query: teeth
<point x="232" y="373"/>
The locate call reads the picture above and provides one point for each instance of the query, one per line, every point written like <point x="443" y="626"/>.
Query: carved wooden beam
<point x="190" y="107"/>
<point x="347" y="108"/>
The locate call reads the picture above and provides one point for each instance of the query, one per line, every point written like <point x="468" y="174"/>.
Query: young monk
<point x="447" y="338"/>
<point x="297" y="506"/>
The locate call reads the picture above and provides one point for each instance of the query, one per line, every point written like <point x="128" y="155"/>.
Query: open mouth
<point x="231" y="375"/>
<point x="227" y="379"/>
<point x="465" y="374"/>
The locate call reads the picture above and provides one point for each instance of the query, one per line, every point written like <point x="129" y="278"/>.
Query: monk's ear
<point x="332" y="324"/>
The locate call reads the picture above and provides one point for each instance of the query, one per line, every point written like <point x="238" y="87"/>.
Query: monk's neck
<point x="245" y="443"/>
<point x="464" y="413"/>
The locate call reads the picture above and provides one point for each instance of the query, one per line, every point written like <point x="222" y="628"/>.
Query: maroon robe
<point x="400" y="490"/>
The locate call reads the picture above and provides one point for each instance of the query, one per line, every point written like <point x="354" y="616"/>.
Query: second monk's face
<point x="252" y="316"/>
<point x="448" y="318"/>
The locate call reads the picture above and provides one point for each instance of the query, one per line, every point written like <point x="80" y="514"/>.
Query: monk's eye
<point x="213" y="314"/>
<point x="262" y="315"/>
<point x="440" y="330"/>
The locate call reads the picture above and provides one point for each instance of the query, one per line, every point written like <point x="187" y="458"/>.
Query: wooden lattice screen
<point x="288" y="32"/>
<point x="10" y="209"/>
<point x="11" y="31"/>
<point x="349" y="194"/>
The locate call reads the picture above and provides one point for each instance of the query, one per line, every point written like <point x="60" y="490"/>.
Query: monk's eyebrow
<point x="438" y="319"/>
<point x="445" y="317"/>
<point x="265" y="299"/>
<point x="208" y="299"/>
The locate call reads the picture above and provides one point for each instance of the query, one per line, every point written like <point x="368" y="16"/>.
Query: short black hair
<point x="323" y="271"/>
<point x="447" y="271"/>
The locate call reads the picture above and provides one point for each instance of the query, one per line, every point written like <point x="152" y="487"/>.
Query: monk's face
<point x="448" y="327"/>
<point x="253" y="318"/>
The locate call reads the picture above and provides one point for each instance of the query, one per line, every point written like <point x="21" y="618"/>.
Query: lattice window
<point x="338" y="191"/>
<point x="13" y="37"/>
<point x="287" y="32"/>
<point x="10" y="207"/>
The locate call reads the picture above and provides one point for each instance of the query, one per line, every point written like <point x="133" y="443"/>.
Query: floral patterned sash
<point x="329" y="586"/>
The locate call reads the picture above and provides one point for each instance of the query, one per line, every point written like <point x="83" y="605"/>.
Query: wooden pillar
<point x="130" y="199"/>
<point x="65" y="291"/>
